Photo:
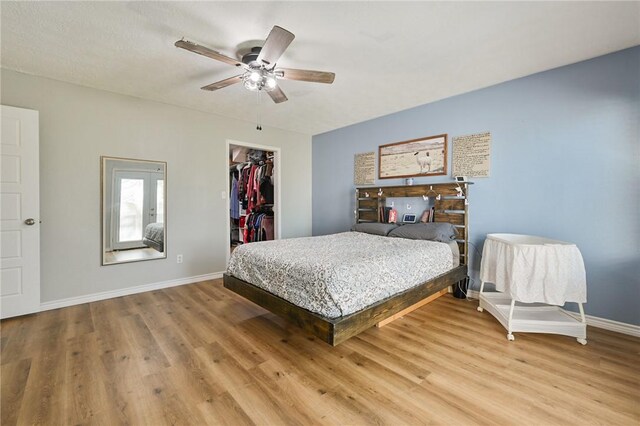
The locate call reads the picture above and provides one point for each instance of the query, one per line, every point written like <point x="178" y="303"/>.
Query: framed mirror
<point x="134" y="210"/>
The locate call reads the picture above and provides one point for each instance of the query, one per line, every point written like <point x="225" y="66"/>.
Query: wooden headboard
<point x="450" y="208"/>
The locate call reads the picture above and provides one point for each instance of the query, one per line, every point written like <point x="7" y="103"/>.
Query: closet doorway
<point x="253" y="185"/>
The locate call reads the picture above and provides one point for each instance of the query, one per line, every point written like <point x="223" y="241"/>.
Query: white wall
<point x="78" y="125"/>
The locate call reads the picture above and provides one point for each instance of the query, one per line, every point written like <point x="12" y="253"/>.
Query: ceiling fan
<point x="259" y="66"/>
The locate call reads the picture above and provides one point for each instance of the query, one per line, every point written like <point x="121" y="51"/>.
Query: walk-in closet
<point x="252" y="195"/>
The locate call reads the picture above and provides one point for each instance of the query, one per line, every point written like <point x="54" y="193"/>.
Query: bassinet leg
<point x="480" y="309"/>
<point x="509" y="334"/>
<point x="584" y="321"/>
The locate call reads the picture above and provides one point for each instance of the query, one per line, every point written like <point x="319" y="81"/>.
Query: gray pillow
<point x="435" y="231"/>
<point x="375" y="228"/>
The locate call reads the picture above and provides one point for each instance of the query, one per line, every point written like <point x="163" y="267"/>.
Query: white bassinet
<point x="533" y="270"/>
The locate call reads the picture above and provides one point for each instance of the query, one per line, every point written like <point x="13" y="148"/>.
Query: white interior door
<point x="19" y="212"/>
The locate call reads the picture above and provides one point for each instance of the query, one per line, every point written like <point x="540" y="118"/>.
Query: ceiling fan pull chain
<point x="258" y="125"/>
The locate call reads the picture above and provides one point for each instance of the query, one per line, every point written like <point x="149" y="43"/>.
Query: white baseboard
<point x="605" y="324"/>
<point x="63" y="303"/>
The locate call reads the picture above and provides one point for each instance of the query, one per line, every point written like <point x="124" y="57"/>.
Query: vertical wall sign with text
<point x="364" y="168"/>
<point x="472" y="155"/>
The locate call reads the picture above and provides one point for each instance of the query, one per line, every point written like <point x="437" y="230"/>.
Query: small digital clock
<point x="409" y="218"/>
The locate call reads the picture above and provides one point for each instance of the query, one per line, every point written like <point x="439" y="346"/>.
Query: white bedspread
<point x="534" y="269"/>
<point x="339" y="274"/>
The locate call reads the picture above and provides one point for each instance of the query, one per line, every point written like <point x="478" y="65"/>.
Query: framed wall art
<point x="413" y="158"/>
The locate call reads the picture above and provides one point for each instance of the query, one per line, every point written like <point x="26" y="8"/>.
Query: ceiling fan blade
<point x="205" y="51"/>
<point x="223" y="83"/>
<point x="274" y="46"/>
<point x="277" y="95"/>
<point x="307" y="75"/>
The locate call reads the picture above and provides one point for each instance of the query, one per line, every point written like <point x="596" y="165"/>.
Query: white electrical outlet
<point x="179" y="258"/>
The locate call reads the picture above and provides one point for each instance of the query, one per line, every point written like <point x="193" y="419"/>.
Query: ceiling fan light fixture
<point x="255" y="76"/>
<point x="250" y="84"/>
<point x="259" y="79"/>
<point x="270" y="83"/>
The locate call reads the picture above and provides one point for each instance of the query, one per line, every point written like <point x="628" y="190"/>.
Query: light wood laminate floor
<point x="198" y="354"/>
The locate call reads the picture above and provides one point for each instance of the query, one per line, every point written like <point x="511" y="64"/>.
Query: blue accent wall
<point x="565" y="164"/>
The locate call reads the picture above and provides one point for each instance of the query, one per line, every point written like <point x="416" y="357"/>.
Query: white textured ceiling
<point x="387" y="56"/>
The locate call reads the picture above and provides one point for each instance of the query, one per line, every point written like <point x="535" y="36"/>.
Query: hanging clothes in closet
<point x="259" y="226"/>
<point x="255" y="192"/>
<point x="235" y="212"/>
<point x="234" y="207"/>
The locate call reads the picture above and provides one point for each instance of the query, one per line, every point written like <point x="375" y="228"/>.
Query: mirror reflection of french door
<point x="139" y="201"/>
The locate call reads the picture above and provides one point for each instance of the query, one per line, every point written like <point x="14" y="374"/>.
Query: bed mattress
<point x="339" y="274"/>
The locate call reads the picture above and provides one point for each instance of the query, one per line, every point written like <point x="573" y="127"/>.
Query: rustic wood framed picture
<point x="413" y="158"/>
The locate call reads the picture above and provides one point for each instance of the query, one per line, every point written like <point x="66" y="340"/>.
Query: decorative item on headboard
<point x="451" y="205"/>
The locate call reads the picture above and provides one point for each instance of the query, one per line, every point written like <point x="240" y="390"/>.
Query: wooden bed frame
<point x="450" y="208"/>
<point x="336" y="330"/>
